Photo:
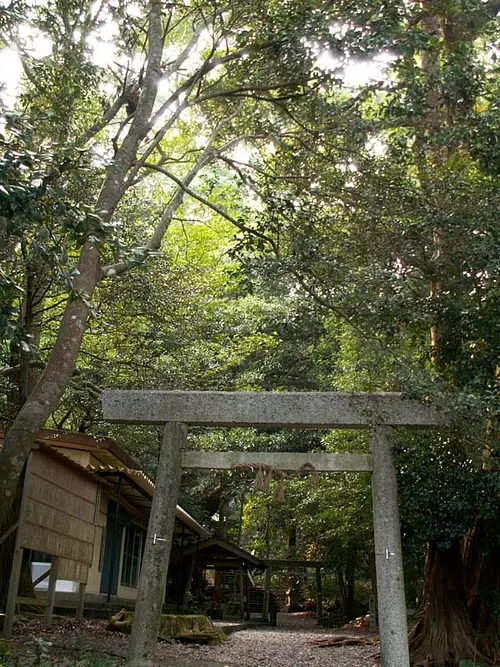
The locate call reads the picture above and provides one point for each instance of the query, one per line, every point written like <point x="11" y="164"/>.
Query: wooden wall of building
<point x="59" y="514"/>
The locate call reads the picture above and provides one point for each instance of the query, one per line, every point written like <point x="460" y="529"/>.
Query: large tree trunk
<point x="8" y="544"/>
<point x="62" y="361"/>
<point x="51" y="386"/>
<point x="47" y="393"/>
<point x="481" y="559"/>
<point x="24" y="377"/>
<point x="443" y="634"/>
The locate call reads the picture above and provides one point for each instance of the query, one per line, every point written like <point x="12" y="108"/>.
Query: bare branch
<point x="89" y="386"/>
<point x="215" y="207"/>
<point x="10" y="40"/>
<point x="185" y="53"/>
<point x="153" y="144"/>
<point x="51" y="307"/>
<point x="163" y="224"/>
<point x="191" y="81"/>
<point x="188" y="86"/>
<point x="113" y="187"/>
<point x="105" y="120"/>
<point x="243" y="177"/>
<point x="154" y="242"/>
<point x="251" y="91"/>
<point x="7" y="370"/>
<point x="59" y="424"/>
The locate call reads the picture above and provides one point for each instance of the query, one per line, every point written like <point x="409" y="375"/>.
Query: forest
<point x="267" y="195"/>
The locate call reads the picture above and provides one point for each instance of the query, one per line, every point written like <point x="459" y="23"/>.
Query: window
<point x="132" y="556"/>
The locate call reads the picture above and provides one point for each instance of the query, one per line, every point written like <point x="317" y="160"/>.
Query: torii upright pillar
<point x="154" y="569"/>
<point x="388" y="555"/>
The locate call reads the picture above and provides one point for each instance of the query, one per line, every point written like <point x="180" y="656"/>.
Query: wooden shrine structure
<point x="81" y="498"/>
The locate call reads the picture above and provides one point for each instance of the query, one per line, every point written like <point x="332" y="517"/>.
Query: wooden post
<point x="242" y="594"/>
<point x="181" y="593"/>
<point x="198" y="575"/>
<point x="15" y="574"/>
<point x="267" y="593"/>
<point x="234" y="583"/>
<point x="153" y="579"/>
<point x="187" y="588"/>
<point x="372" y="610"/>
<point x="388" y="557"/>
<point x="247" y="592"/>
<point x="319" y="596"/>
<point x="81" y="601"/>
<point x="114" y="540"/>
<point x="49" y="609"/>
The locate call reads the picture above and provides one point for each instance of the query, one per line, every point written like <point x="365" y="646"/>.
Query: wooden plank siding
<point x="65" y="477"/>
<point x="73" y="570"/>
<point x="59" y="515"/>
<point x="50" y="495"/>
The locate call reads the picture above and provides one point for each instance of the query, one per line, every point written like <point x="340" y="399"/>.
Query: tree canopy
<point x="276" y="196"/>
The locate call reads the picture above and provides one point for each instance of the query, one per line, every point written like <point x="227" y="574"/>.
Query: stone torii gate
<point x="177" y="410"/>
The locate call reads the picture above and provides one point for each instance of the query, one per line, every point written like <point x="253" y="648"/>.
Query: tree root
<point x="344" y="640"/>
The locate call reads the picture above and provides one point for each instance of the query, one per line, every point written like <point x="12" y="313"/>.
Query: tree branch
<point x="183" y="184"/>
<point x="33" y="364"/>
<point x="327" y="304"/>
<point x="155" y="241"/>
<point x="215" y="207"/>
<point x="153" y="144"/>
<point x="105" y="120"/>
<point x="232" y="164"/>
<point x="114" y="184"/>
<point x="191" y="81"/>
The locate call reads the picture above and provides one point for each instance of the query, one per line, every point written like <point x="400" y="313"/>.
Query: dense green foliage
<point x="311" y="204"/>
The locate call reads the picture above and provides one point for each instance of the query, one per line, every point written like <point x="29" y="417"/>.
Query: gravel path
<point x="288" y="645"/>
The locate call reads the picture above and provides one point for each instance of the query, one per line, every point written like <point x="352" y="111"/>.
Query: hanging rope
<point x="266" y="473"/>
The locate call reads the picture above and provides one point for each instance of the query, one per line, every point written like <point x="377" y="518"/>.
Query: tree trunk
<point x="62" y="361"/>
<point x="481" y="558"/>
<point x="240" y="526"/>
<point x="221" y="530"/>
<point x="8" y="545"/>
<point x="51" y="386"/>
<point x="443" y="634"/>
<point x="23" y="375"/>
<point x="350" y="602"/>
<point x="342" y="584"/>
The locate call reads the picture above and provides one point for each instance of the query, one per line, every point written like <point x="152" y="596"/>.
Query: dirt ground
<point x="90" y="644"/>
